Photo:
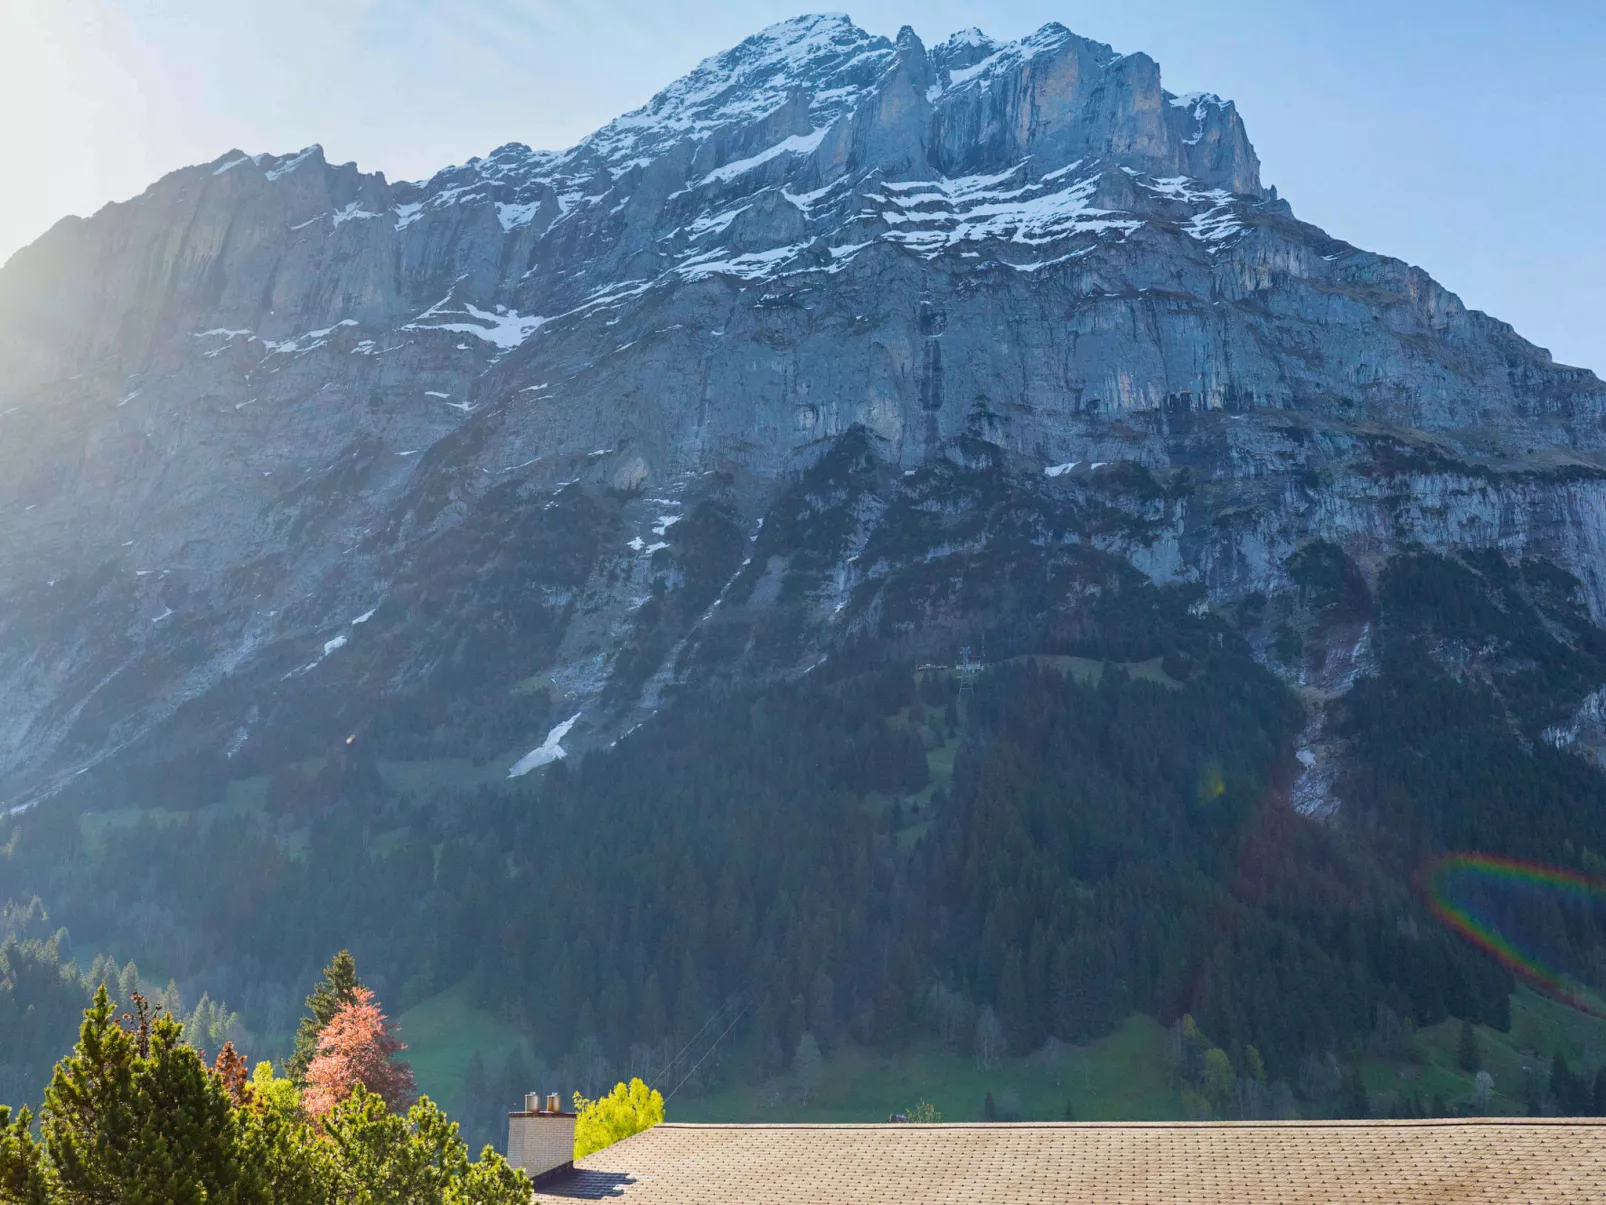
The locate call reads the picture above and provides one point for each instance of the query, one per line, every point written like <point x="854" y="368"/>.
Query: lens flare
<point x="1450" y="883"/>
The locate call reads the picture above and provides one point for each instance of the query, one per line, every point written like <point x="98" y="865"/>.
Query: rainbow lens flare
<point x="1463" y="890"/>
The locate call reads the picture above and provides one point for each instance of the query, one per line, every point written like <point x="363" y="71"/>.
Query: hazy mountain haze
<point x="1419" y="130"/>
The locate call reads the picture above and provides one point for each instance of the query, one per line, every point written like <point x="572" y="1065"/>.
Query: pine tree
<point x="1570" y="1092"/>
<point x="1466" y="1055"/>
<point x="389" y="1157"/>
<point x="516" y="1078"/>
<point x="476" y="1108"/>
<point x="132" y="1115"/>
<point x="339" y="987"/>
<point x="22" y="1161"/>
<point x="1355" y="1101"/>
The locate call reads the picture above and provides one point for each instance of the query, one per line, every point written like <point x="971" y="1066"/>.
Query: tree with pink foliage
<point x="358" y="1046"/>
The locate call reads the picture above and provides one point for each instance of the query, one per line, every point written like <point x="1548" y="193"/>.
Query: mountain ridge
<point x="270" y="376"/>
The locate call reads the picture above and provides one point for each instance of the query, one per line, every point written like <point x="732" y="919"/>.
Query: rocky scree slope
<point x="487" y="464"/>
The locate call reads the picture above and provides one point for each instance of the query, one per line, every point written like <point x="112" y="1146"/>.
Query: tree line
<point x="1104" y="844"/>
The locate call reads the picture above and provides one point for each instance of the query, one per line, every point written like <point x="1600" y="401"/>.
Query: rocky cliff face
<point x="289" y="451"/>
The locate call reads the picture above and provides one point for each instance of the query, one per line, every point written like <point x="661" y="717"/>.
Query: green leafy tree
<point x="277" y="1094"/>
<point x="623" y="1112"/>
<point x="339" y="987"/>
<point x="1219" y="1079"/>
<point x="1254" y="1065"/>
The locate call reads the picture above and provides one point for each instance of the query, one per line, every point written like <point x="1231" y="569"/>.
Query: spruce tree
<point x="476" y="1106"/>
<point x="339" y="988"/>
<point x="1572" y="1093"/>
<point x="1466" y="1054"/>
<point x="1354" y="1100"/>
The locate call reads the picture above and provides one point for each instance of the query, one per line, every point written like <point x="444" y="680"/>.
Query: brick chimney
<point x="541" y="1138"/>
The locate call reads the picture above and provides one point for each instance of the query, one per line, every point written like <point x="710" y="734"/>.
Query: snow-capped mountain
<point x="285" y="445"/>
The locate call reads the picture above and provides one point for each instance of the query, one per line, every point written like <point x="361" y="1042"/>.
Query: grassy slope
<point x="1124" y="1075"/>
<point x="1539" y="1027"/>
<point x="442" y="1035"/>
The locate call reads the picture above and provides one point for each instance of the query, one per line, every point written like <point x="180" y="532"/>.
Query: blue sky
<point x="1465" y="137"/>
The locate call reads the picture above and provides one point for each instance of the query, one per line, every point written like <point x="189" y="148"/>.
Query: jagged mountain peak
<point x="235" y="408"/>
<point x="763" y="158"/>
<point x="825" y="58"/>
<point x="978" y="103"/>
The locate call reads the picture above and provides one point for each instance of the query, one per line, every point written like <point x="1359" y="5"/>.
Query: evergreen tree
<point x="1467" y="1056"/>
<point x="23" y="1178"/>
<point x="339" y="987"/>
<point x="1353" y="1098"/>
<point x="516" y="1078"/>
<point x="476" y="1107"/>
<point x="1570" y="1092"/>
<point x="390" y="1159"/>
<point x="133" y="1116"/>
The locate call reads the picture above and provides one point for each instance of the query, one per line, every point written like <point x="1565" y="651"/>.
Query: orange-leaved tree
<point x="358" y="1046"/>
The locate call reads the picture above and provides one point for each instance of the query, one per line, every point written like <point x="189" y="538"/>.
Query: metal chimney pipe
<point x="553" y="1105"/>
<point x="532" y="1102"/>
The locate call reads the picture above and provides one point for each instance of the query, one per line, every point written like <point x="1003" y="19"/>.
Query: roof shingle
<point x="1479" y="1161"/>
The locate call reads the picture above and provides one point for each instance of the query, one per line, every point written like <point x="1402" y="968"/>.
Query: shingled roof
<point x="1447" y="1162"/>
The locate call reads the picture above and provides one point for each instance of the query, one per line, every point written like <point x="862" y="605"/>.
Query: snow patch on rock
<point x="548" y="751"/>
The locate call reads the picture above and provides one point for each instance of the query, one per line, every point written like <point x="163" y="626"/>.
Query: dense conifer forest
<point x="872" y="854"/>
